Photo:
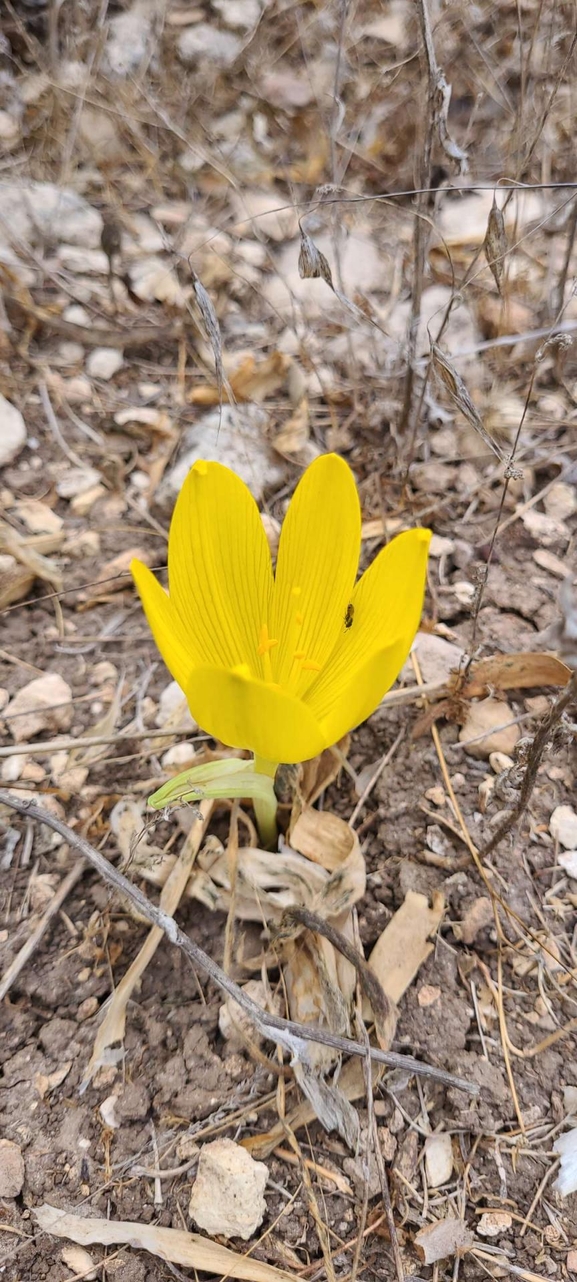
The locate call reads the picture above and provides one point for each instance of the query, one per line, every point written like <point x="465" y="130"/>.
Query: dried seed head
<point x="495" y="245"/>
<point x="210" y="325"/>
<point x="454" y="385"/>
<point x="312" y="263"/>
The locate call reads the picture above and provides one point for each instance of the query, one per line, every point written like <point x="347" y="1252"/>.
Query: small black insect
<point x="349" y="616"/>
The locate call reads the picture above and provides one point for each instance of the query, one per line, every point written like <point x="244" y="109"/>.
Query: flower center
<point x="295" y="661"/>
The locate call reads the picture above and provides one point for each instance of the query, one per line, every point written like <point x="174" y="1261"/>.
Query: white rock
<point x="76" y="314"/>
<point x="77" y="480"/>
<point x="181" y="755"/>
<point x="9" y="129"/>
<point x="32" y="710"/>
<point x="129" y="39"/>
<point x="240" y="445"/>
<point x="440" y="546"/>
<point x="11" y="1169"/>
<point x="438" y="1159"/>
<point x="566" y="1147"/>
<point x="12" y="432"/>
<point x="80" y="1261"/>
<point x="464" y="592"/>
<point x="493" y="1223"/>
<point x="241" y="14"/>
<point x="12" y="767"/>
<point x="174" y="708"/>
<point x="570" y="1099"/>
<point x="83" y="261"/>
<point x="43" y="211"/>
<point x="70" y="353"/>
<point x="104" y="362"/>
<point x="153" y="279"/>
<point x="567" y="859"/>
<point x="107" y="1112"/>
<point x="487" y="729"/>
<point x="266" y="214"/>
<point x="228" y="1193"/>
<point x="563" y="826"/>
<point x="438" y="658"/>
<point x="460" y="333"/>
<point x="208" y="42"/>
<point x="561" y="501"/>
<point x="548" y="561"/>
<point x="545" y="529"/>
<point x="499" y="761"/>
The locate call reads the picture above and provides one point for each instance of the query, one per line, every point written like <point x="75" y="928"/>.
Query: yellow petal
<point x="245" y="713"/>
<point x="164" y="624"/>
<point x="387" y="604"/>
<point x="219" y="567"/>
<point x="316" y="568"/>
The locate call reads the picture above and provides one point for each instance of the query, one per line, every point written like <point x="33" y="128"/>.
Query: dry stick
<point x="385" y="1190"/>
<point x="271" y="1026"/>
<point x="48" y="746"/>
<point x="33" y="940"/>
<point x="559" y="297"/>
<point x="538" y="746"/>
<point x="421" y="226"/>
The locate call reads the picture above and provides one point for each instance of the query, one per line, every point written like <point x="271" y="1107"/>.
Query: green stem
<point x="265" y="810"/>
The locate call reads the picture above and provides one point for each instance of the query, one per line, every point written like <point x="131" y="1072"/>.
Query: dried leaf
<point x="318" y="773"/>
<point x="15" y="581"/>
<point x="352" y="1085"/>
<point x="264" y="888"/>
<point x="495" y="244"/>
<point x="313" y="263"/>
<point x="252" y="380"/>
<point x="521" y="671"/>
<point x="314" y="994"/>
<point x="458" y="394"/>
<point x="188" y="1249"/>
<point x="406" y="942"/>
<point x="24" y="552"/>
<point x="331" y="1107"/>
<point x="443" y="1238"/>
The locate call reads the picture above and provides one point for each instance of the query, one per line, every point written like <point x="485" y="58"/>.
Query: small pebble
<point x="87" y="1009"/>
<point x="104" y="362"/>
<point x="11" y="1169"/>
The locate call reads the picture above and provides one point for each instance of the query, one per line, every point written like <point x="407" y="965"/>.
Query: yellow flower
<point x="281" y="663"/>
